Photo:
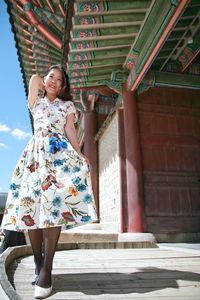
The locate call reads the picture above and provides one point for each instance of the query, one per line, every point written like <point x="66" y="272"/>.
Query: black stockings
<point x="36" y="238"/>
<point x="44" y="242"/>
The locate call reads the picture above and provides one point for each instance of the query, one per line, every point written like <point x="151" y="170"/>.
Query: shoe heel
<point x="41" y="293"/>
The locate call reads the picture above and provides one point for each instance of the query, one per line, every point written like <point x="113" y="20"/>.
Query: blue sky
<point x="15" y="126"/>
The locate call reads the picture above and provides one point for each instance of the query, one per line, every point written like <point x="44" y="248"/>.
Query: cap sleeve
<point x="70" y="109"/>
<point x="40" y="95"/>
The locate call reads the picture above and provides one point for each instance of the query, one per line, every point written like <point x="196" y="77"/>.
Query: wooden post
<point x="90" y="149"/>
<point x="123" y="184"/>
<point x="133" y="163"/>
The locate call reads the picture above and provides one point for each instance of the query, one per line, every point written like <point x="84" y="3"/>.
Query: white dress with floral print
<point x="51" y="183"/>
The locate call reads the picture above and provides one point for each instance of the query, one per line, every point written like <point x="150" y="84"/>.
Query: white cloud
<point x="20" y="134"/>
<point x="2" y="145"/>
<point x="4" y="128"/>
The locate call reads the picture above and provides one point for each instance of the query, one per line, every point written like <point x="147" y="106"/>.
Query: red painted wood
<point x="90" y="150"/>
<point x="169" y="121"/>
<point x="173" y="225"/>
<point x="40" y="27"/>
<point x="133" y="164"/>
<point x="123" y="180"/>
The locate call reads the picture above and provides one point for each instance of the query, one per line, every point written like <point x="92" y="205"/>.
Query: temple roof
<point x="104" y="43"/>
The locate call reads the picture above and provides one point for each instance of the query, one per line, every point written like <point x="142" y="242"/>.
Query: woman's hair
<point x="65" y="86"/>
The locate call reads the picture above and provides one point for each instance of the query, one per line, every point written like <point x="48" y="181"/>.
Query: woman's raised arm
<point x="35" y="84"/>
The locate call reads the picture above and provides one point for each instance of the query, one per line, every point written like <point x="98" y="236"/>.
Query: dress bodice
<point x="51" y="114"/>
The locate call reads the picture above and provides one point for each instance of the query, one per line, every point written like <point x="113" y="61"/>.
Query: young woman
<point x="51" y="186"/>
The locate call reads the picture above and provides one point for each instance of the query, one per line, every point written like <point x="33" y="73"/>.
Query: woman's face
<point x="53" y="82"/>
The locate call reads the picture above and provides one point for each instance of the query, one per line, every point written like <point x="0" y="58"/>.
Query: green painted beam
<point x="46" y="16"/>
<point x="91" y="72"/>
<point x="169" y="79"/>
<point x="37" y="38"/>
<point x="86" y="84"/>
<point x="169" y="44"/>
<point x="94" y="63"/>
<point x="190" y="12"/>
<point x="195" y="3"/>
<point x="177" y="80"/>
<point x="90" y="79"/>
<point x="25" y="56"/>
<point x="39" y="49"/>
<point x="153" y="23"/>
<point x="176" y="35"/>
<point x="109" y="18"/>
<point x="165" y="52"/>
<point x="102" y="6"/>
<point x="99" y="44"/>
<point x="85" y="56"/>
<point x="156" y="21"/>
<point x="113" y="31"/>
<point x="183" y="23"/>
<point x="41" y="57"/>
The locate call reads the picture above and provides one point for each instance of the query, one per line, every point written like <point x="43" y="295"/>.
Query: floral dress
<point x="51" y="183"/>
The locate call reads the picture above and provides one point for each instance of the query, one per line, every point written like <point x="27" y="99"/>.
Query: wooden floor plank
<point x="115" y="274"/>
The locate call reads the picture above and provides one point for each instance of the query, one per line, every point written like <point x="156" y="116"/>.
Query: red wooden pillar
<point x="123" y="186"/>
<point x="133" y="163"/>
<point x="90" y="149"/>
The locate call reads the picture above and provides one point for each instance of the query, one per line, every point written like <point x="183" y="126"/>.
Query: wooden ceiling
<point x="104" y="43"/>
<point x="183" y="44"/>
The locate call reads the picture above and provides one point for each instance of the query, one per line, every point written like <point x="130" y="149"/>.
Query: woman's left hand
<point x="84" y="157"/>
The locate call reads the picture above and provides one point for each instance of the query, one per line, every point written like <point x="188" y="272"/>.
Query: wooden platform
<point x="116" y="274"/>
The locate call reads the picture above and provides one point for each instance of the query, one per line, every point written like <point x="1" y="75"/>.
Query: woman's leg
<point x="50" y="240"/>
<point x="36" y="239"/>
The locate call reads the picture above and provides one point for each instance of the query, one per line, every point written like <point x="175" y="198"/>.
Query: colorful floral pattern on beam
<point x="77" y="73"/>
<point x="82" y="56"/>
<point x="132" y="59"/>
<point x="83" y="45"/>
<point x="86" y="33"/>
<point x="97" y="6"/>
<point x="83" y="64"/>
<point x="86" y="20"/>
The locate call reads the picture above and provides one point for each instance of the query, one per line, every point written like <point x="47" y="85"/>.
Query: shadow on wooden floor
<point x="144" y="281"/>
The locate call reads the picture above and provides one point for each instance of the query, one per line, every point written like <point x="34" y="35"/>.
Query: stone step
<point x="87" y="236"/>
<point x="92" y="235"/>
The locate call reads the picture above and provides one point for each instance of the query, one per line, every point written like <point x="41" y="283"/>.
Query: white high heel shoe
<point x="41" y="293"/>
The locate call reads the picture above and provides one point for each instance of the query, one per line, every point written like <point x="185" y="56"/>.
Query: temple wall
<point x="109" y="177"/>
<point x="169" y="121"/>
